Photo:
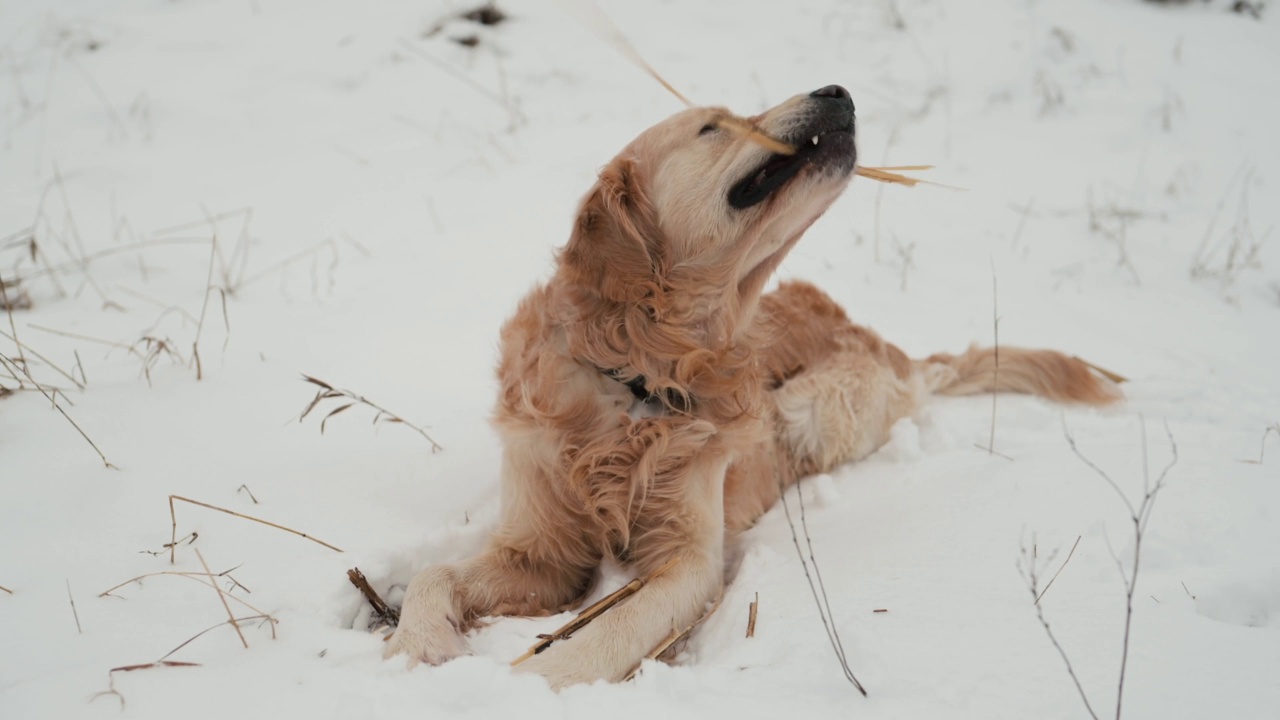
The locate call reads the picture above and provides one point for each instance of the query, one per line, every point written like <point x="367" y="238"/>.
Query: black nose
<point x="835" y="92"/>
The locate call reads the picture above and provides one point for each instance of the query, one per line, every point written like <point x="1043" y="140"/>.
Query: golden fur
<point x="661" y="280"/>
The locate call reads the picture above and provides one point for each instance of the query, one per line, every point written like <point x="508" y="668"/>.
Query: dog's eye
<point x="709" y="127"/>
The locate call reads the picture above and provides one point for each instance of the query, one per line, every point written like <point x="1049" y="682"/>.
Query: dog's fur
<point x="662" y="282"/>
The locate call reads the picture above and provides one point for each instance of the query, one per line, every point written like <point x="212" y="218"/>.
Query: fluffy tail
<point x="1046" y="373"/>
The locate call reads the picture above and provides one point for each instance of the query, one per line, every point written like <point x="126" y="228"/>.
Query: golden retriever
<point x="654" y="400"/>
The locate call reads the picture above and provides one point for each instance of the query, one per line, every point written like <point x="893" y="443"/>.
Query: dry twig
<point x="1060" y="569"/>
<point x="1139" y="516"/>
<point x="1030" y="574"/>
<point x="751" y="616"/>
<point x="824" y="605"/>
<point x="383" y="613"/>
<point x="5" y="589"/>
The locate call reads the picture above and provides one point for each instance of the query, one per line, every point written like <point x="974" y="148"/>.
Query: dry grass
<point x="110" y="592"/>
<point x="381" y="414"/>
<point x="16" y="368"/>
<point x="173" y="544"/>
<point x="165" y="662"/>
<point x="231" y="618"/>
<point x="1224" y="256"/>
<point x="751" y="616"/>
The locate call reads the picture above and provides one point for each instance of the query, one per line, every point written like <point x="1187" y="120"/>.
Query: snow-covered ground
<point x="381" y="196"/>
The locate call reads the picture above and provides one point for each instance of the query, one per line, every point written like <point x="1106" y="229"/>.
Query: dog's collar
<point x="640" y="391"/>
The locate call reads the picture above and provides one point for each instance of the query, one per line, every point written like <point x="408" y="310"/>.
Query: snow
<point x="1115" y="152"/>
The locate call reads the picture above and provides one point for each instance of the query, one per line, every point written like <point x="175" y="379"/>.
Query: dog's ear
<point x="615" y="249"/>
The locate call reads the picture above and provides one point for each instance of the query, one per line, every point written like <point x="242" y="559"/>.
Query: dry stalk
<point x="594" y="611"/>
<point x="329" y="392"/>
<point x="751" y="616"/>
<point x="383" y="613"/>
<point x="222" y="598"/>
<point x="204" y="310"/>
<point x="74" y="614"/>
<point x="4" y="360"/>
<point x="1262" y="449"/>
<point x="6" y="590"/>
<point x="995" y="371"/>
<point x="824" y="605"/>
<point x="173" y="517"/>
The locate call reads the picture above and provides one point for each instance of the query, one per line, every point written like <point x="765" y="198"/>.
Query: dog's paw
<point x="426" y="637"/>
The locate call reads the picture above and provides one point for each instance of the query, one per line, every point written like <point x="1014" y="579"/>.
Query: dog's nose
<point x="834" y="92"/>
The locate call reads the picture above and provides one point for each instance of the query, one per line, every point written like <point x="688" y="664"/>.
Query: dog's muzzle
<point x="822" y="132"/>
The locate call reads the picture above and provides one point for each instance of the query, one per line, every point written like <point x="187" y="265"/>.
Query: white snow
<point x="1120" y="159"/>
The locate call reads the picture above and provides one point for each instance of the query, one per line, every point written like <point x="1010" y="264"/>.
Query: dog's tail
<point x="1047" y="373"/>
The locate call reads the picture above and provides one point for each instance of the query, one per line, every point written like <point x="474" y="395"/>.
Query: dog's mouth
<point x="826" y="143"/>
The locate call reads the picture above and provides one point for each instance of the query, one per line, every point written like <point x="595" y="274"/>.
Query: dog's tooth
<point x="815" y="140"/>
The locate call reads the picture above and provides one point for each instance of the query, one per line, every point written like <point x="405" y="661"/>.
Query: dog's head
<point x="692" y="202"/>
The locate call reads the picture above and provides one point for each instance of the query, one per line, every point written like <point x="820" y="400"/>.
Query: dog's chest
<point x="650" y="407"/>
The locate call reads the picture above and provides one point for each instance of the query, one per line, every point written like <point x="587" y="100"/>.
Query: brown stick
<point x="381" y="609"/>
<point x="222" y="598"/>
<point x="6" y="589"/>
<point x="751" y="616"/>
<point x="594" y="611"/>
<point x="174" y="518"/>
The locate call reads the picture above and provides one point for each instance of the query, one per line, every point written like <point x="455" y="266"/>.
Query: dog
<point x="654" y="400"/>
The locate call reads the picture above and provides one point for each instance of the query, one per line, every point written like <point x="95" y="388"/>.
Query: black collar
<point x="641" y="391"/>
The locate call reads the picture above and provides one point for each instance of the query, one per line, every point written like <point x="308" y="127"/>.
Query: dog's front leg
<point x="442" y="601"/>
<point x="688" y="528"/>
